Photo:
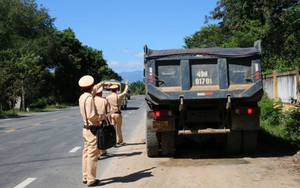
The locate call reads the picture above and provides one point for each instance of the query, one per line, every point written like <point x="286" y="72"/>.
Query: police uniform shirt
<point x="88" y="109"/>
<point x="115" y="100"/>
<point x="102" y="106"/>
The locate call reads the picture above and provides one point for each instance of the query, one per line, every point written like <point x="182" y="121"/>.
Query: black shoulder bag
<point x="106" y="136"/>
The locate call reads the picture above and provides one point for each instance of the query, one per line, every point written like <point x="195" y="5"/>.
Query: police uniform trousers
<point x="116" y="120"/>
<point x="90" y="155"/>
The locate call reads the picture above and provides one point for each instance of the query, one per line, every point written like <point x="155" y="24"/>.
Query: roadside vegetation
<point x="137" y="88"/>
<point x="42" y="65"/>
<point x="239" y="23"/>
<point x="280" y="123"/>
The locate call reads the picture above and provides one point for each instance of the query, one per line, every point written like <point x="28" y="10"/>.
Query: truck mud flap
<point x="167" y="144"/>
<point x="249" y="142"/>
<point x="233" y="142"/>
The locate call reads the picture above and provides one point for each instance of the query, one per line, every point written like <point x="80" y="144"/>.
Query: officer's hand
<point x="126" y="82"/>
<point x="102" y="117"/>
<point x="101" y="83"/>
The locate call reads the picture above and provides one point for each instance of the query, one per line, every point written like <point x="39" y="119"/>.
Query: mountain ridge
<point x="132" y="76"/>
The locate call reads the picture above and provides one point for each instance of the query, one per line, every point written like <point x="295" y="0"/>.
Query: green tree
<point x="209" y="36"/>
<point x="39" y="61"/>
<point x="242" y="22"/>
<point x="106" y="73"/>
<point x="24" y="30"/>
<point x="73" y="61"/>
<point x="137" y="88"/>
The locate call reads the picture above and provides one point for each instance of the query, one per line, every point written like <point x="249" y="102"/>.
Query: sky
<point x="121" y="28"/>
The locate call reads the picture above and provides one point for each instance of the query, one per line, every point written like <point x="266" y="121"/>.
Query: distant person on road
<point x="115" y="100"/>
<point x="90" y="118"/>
<point x="102" y="107"/>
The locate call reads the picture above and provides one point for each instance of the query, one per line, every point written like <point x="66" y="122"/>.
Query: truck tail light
<point x="249" y="111"/>
<point x="159" y="113"/>
<point x="246" y="110"/>
<point x="257" y="75"/>
<point x="151" y="114"/>
<point x="151" y="78"/>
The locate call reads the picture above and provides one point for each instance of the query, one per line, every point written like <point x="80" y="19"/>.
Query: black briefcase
<point x="106" y="136"/>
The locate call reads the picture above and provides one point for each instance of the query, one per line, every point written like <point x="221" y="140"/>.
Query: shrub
<point x="137" y="88"/>
<point x="43" y="102"/>
<point x="291" y="121"/>
<point x="285" y="125"/>
<point x="270" y="111"/>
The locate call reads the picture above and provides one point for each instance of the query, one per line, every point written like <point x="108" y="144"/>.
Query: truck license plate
<point x="160" y="124"/>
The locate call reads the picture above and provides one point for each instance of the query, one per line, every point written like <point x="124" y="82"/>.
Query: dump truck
<point x="202" y="93"/>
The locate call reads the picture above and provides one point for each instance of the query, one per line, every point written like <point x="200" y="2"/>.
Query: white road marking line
<point x="10" y="131"/>
<point x="25" y="183"/>
<point x="74" y="149"/>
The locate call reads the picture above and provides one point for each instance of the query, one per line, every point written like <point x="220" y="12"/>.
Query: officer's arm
<point x="125" y="90"/>
<point x="97" y="118"/>
<point x="96" y="87"/>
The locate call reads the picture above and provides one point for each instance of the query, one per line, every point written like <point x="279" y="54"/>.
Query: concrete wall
<point x="283" y="85"/>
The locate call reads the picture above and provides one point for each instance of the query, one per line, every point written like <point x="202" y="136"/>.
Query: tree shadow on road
<point x="129" y="178"/>
<point x="271" y="146"/>
<point x="11" y="116"/>
<point x="267" y="146"/>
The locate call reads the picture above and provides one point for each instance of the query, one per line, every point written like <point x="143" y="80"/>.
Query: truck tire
<point x="152" y="144"/>
<point x="167" y="144"/>
<point x="233" y="142"/>
<point x="249" y="142"/>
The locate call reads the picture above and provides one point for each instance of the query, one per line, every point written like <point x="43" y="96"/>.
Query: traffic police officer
<point x="115" y="101"/>
<point x="90" y="117"/>
<point x="102" y="107"/>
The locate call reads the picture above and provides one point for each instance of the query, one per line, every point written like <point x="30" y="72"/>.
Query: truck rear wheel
<point x="233" y="142"/>
<point x="249" y="141"/>
<point x="167" y="144"/>
<point x="152" y="144"/>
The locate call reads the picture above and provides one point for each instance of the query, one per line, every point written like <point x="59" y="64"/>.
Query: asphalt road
<point x="43" y="150"/>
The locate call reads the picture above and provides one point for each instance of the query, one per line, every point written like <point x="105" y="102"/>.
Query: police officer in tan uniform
<point x="102" y="107"/>
<point x="90" y="117"/>
<point x="115" y="100"/>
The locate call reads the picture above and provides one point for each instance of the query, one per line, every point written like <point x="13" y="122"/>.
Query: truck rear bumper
<point x="203" y="131"/>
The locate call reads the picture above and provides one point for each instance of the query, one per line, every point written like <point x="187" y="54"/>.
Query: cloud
<point x="139" y="55"/>
<point x="133" y="53"/>
<point x="128" y="51"/>
<point x="126" y="66"/>
<point x="133" y="61"/>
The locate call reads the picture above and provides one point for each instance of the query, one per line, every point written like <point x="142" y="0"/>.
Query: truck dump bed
<point x="203" y="74"/>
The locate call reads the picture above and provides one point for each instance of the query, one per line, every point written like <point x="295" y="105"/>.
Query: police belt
<point x="88" y="127"/>
<point x="118" y="112"/>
